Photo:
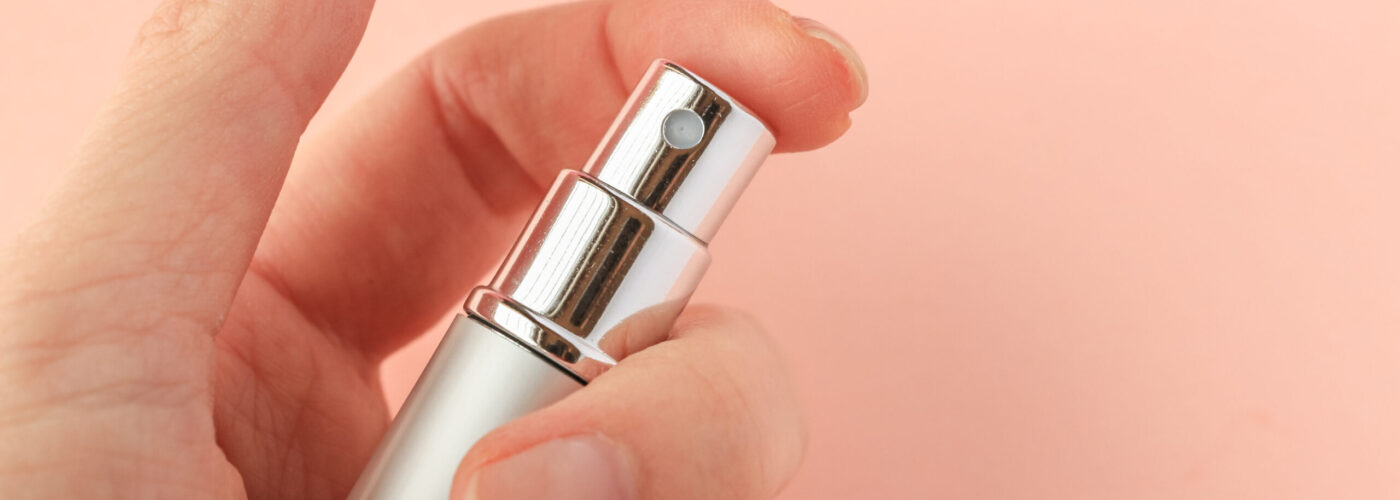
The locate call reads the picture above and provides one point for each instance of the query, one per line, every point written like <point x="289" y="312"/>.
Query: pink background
<point x="1070" y="249"/>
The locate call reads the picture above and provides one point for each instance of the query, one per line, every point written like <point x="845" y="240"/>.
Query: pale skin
<point x="202" y="308"/>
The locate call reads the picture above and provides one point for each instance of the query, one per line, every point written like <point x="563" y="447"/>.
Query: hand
<point x="166" y="332"/>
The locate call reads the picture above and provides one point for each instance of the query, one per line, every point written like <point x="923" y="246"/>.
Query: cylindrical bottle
<point x="603" y="268"/>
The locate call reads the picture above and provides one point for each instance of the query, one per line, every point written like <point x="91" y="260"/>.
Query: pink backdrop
<point x="1070" y="249"/>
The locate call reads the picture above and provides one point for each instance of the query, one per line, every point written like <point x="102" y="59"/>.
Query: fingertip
<point x="857" y="77"/>
<point x="585" y="466"/>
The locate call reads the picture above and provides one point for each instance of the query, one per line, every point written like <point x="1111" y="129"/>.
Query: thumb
<point x="707" y="414"/>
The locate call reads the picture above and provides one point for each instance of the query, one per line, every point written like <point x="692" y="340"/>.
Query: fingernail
<point x="821" y="32"/>
<point x="582" y="467"/>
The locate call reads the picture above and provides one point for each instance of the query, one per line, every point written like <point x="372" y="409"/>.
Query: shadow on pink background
<point x="1073" y="249"/>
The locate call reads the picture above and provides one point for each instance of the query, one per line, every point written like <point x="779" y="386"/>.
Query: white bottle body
<point x="477" y="380"/>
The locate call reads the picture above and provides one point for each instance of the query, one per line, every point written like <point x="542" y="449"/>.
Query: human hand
<point x="166" y="332"/>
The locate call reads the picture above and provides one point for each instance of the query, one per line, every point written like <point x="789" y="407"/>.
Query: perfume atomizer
<point x="613" y="253"/>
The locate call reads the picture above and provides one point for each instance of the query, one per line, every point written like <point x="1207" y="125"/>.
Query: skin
<point x="172" y="328"/>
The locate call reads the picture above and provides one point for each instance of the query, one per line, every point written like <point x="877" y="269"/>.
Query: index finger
<point x="431" y="175"/>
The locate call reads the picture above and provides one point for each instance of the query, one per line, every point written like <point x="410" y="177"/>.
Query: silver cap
<point x="613" y="253"/>
<point x="694" y="187"/>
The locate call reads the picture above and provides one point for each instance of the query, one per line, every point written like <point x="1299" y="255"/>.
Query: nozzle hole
<point x="683" y="129"/>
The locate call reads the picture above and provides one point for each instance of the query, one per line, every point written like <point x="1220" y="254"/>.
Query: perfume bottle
<point x="603" y="268"/>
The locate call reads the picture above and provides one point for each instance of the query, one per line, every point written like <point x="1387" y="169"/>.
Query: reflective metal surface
<point x="695" y="187"/>
<point x="478" y="379"/>
<point x="593" y="277"/>
<point x="611" y="256"/>
<point x="601" y="271"/>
